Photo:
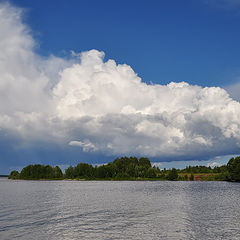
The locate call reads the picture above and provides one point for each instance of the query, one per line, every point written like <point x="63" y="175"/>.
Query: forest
<point x="130" y="168"/>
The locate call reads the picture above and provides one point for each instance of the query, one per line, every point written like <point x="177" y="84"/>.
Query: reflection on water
<point x="119" y="210"/>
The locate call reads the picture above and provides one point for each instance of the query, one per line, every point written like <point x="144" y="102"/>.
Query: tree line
<point x="37" y="171"/>
<point x="129" y="168"/>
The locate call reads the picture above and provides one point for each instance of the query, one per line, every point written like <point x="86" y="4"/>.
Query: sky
<point x="88" y="81"/>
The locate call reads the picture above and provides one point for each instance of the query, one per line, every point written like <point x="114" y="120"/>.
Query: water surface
<point x="119" y="210"/>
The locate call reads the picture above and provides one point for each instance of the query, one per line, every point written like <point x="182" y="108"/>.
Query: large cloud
<point x="105" y="107"/>
<point x="26" y="79"/>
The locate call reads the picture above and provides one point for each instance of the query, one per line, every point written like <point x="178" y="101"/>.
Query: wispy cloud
<point x="86" y="145"/>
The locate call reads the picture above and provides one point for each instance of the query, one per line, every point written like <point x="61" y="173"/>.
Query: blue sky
<point x="162" y="41"/>
<point x="54" y="121"/>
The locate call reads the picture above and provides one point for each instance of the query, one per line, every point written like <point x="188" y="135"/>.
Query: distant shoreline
<point x="196" y="178"/>
<point x="130" y="169"/>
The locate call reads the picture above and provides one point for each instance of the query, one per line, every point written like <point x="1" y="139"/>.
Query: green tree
<point x="38" y="171"/>
<point x="191" y="177"/>
<point x="35" y="171"/>
<point x="14" y="175"/>
<point x="141" y="171"/>
<point x="83" y="170"/>
<point x="172" y="174"/>
<point x="151" y="173"/>
<point x="58" y="172"/>
<point x="145" y="162"/>
<point x="101" y="171"/>
<point x="233" y="167"/>
<point x="69" y="172"/>
<point x="47" y="172"/>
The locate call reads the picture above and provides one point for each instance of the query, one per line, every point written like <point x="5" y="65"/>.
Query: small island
<point x="130" y="168"/>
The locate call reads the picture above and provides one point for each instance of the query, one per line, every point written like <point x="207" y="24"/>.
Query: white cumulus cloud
<point x="102" y="106"/>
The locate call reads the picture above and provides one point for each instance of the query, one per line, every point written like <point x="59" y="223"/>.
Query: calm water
<point x="119" y="210"/>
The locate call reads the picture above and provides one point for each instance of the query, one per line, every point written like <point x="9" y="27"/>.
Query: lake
<point x="119" y="210"/>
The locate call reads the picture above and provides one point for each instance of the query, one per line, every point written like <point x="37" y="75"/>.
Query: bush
<point x="172" y="175"/>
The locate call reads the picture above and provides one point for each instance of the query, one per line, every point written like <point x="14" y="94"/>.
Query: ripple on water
<point x="119" y="210"/>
